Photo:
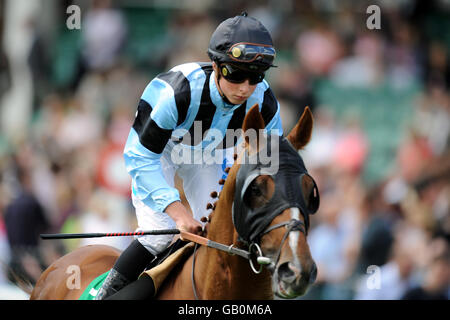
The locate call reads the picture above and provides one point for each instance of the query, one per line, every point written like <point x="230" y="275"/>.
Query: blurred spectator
<point x="103" y="213"/>
<point x="25" y="219"/>
<point x="436" y="283"/>
<point x="110" y="168"/>
<point x="104" y="33"/>
<point x="190" y="32"/>
<point x="395" y="277"/>
<point x="377" y="233"/>
<point x="38" y="61"/>
<point x="331" y="246"/>
<point x="365" y="67"/>
<point x="15" y="105"/>
<point x="351" y="148"/>
<point x="402" y="56"/>
<point x="294" y="87"/>
<point x="78" y="127"/>
<point x="413" y="155"/>
<point x="319" y="152"/>
<point x="5" y="76"/>
<point x="432" y="119"/>
<point x="437" y="66"/>
<point x="318" y="50"/>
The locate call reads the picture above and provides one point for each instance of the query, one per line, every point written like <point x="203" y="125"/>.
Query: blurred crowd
<point x="61" y="137"/>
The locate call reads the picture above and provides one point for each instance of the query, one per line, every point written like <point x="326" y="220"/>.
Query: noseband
<point x="291" y="225"/>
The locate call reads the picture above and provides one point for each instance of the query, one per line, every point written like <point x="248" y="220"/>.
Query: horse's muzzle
<point x="291" y="282"/>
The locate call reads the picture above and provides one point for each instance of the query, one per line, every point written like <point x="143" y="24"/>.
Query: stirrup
<point x="112" y="284"/>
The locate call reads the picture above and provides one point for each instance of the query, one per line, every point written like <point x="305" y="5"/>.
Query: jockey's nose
<point x="244" y="87"/>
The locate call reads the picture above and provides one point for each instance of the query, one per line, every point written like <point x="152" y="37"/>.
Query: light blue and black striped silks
<point x="184" y="106"/>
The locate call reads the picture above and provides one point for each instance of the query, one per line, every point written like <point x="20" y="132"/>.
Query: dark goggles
<point x="236" y="75"/>
<point x="248" y="52"/>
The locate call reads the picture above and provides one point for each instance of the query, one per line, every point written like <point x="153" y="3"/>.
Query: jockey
<point x="189" y="111"/>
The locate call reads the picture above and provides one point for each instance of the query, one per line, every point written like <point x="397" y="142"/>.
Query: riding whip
<point x="109" y="234"/>
<point x="184" y="236"/>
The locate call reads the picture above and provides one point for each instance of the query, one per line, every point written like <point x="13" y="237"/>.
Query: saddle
<point x="160" y="268"/>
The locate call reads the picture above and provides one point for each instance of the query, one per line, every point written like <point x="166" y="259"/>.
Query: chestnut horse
<point x="289" y="268"/>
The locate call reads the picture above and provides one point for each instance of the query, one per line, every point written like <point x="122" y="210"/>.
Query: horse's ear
<point x="253" y="123"/>
<point x="301" y="133"/>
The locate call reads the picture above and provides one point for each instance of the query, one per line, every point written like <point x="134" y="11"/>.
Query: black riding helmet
<point x="243" y="42"/>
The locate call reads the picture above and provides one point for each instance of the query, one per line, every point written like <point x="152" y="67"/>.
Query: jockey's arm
<point x="183" y="218"/>
<point x="155" y="121"/>
<point x="149" y="185"/>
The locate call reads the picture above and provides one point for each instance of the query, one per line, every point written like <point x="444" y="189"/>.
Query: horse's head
<point x="273" y="198"/>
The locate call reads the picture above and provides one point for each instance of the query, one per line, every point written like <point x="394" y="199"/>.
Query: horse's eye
<point x="310" y="193"/>
<point x="253" y="196"/>
<point x="256" y="191"/>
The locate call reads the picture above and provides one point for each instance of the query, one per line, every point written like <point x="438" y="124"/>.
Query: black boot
<point x="127" y="269"/>
<point x="112" y="284"/>
<point x="141" y="289"/>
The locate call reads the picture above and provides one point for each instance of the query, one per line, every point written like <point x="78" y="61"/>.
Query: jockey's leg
<point x="141" y="289"/>
<point x="132" y="262"/>
<point x="127" y="268"/>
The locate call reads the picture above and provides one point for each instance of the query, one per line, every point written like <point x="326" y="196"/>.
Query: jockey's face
<point x="237" y="93"/>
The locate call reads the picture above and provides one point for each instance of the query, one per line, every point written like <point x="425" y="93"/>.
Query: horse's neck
<point x="225" y="276"/>
<point x="221" y="228"/>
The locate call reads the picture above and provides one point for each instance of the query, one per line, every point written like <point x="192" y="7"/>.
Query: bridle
<point x="254" y="250"/>
<point x="252" y="224"/>
<point x="291" y="225"/>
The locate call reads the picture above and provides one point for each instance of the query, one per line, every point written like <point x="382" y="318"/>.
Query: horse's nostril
<point x="313" y="274"/>
<point x="285" y="273"/>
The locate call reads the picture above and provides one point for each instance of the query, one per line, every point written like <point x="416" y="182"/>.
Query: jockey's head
<point x="241" y="49"/>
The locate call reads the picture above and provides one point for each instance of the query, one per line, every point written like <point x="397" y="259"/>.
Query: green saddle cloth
<point x="91" y="290"/>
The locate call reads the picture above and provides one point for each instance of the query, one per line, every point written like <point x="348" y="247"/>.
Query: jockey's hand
<point x="183" y="218"/>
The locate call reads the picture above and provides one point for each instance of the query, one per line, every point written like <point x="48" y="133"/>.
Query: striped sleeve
<point x="151" y="135"/>
<point x="148" y="182"/>
<point x="163" y="106"/>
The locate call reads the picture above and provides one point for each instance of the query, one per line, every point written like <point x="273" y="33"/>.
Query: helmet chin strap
<point x="224" y="97"/>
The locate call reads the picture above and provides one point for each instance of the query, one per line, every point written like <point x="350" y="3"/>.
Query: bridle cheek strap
<point x="292" y="225"/>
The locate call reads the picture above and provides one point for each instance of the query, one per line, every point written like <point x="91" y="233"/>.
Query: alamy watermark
<point x="373" y="281"/>
<point x="374" y="20"/>
<point x="73" y="281"/>
<point x="211" y="147"/>
<point x="73" y="22"/>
